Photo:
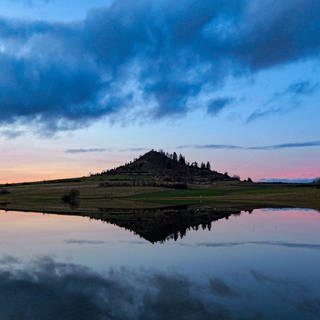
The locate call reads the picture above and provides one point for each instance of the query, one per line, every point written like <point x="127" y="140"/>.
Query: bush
<point x="316" y="180"/>
<point x="71" y="198"/>
<point x="4" y="191"/>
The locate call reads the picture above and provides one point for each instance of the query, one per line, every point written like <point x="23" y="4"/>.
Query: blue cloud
<point x="306" y="144"/>
<point x="150" y="56"/>
<point x="217" y="105"/>
<point x="257" y="114"/>
<point x="87" y="150"/>
<point x="302" y="88"/>
<point x="294" y="91"/>
<point x="219" y="146"/>
<point x="288" y="145"/>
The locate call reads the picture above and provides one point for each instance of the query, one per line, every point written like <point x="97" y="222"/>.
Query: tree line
<point x="182" y="160"/>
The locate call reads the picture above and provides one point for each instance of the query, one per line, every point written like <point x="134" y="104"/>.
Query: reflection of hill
<point x="158" y="225"/>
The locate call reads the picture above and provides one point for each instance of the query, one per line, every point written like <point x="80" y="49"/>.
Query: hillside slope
<point x="167" y="168"/>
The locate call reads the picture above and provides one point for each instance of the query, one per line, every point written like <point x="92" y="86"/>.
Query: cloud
<point x="88" y="150"/>
<point x="302" y="88"/>
<point x="11" y="134"/>
<point x="257" y="114"/>
<point x="30" y="3"/>
<point x="217" y="105"/>
<point x="144" y="59"/>
<point x="135" y="149"/>
<point x="218" y="146"/>
<point x="306" y="144"/>
<point x="294" y="92"/>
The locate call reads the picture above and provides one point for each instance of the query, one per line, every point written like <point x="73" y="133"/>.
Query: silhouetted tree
<point x="317" y="182"/>
<point x="194" y="164"/>
<point x="182" y="159"/>
<point x="208" y="166"/>
<point x="202" y="166"/>
<point x="174" y="157"/>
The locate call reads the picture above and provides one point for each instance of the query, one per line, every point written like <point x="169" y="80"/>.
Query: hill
<point x="168" y="168"/>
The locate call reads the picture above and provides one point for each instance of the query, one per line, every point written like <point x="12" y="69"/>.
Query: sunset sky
<point x="89" y="84"/>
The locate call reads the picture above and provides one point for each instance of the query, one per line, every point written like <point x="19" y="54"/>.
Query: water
<point x="258" y="265"/>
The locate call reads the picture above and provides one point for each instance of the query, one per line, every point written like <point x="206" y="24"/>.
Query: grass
<point x="47" y="197"/>
<point x="239" y="193"/>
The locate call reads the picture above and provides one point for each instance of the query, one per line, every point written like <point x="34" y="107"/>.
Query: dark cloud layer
<point x="144" y="58"/>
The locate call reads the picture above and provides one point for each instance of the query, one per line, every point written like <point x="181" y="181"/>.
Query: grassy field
<point x="47" y="197"/>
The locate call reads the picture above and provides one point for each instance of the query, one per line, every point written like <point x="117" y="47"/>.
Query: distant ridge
<point x="281" y="180"/>
<point x="169" y="167"/>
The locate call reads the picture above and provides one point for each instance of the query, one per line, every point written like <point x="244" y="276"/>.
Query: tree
<point x="202" y="166"/>
<point x="175" y="157"/>
<point x="182" y="159"/>
<point x="316" y="181"/>
<point x="236" y="177"/>
<point x="208" y="166"/>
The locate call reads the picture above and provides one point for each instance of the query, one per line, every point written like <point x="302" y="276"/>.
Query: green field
<point x="47" y="197"/>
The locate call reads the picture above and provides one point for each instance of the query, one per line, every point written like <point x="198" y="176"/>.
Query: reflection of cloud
<point x="9" y="260"/>
<point x="46" y="289"/>
<point x="79" y="241"/>
<point x="309" y="306"/>
<point x="221" y="288"/>
<point x="267" y="243"/>
<point x="69" y="291"/>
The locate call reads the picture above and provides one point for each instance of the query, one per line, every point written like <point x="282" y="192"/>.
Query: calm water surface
<point x="259" y="265"/>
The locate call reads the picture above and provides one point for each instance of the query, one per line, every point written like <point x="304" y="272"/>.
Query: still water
<point x="263" y="264"/>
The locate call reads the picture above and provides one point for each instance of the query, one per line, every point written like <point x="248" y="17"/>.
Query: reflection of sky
<point x="265" y="232"/>
<point x="274" y="253"/>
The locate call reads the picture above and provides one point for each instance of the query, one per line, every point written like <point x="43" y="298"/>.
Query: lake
<point x="259" y="264"/>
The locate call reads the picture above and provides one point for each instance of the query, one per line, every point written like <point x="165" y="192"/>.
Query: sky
<point x="88" y="85"/>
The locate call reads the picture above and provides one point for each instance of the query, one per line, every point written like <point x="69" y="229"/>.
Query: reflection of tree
<point x="159" y="225"/>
